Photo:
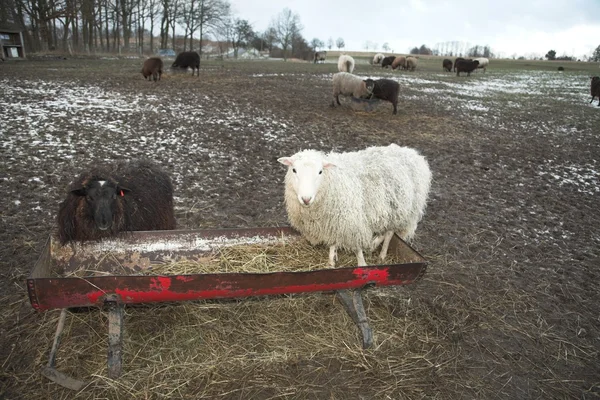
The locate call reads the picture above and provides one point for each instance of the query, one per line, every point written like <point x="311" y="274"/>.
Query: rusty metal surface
<point x="48" y="292"/>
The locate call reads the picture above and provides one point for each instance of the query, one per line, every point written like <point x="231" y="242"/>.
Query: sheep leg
<point x="332" y="256"/>
<point x="386" y="244"/>
<point x="360" y="257"/>
<point x="377" y="241"/>
<point x="337" y="98"/>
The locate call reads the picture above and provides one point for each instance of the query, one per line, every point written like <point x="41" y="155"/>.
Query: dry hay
<point x="286" y="256"/>
<point x="305" y="346"/>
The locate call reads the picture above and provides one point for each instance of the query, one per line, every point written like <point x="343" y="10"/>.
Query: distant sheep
<point x="377" y="58"/>
<point x="357" y="200"/>
<point x="187" y="59"/>
<point x="561" y="68"/>
<point x="447" y="65"/>
<point x="386" y="89"/>
<point x="345" y="63"/>
<point x="483" y="63"/>
<point x="399" y="62"/>
<point x="457" y="60"/>
<point x="467" y="66"/>
<point x="595" y="88"/>
<point x="106" y="200"/>
<point x="411" y="63"/>
<point x="320" y="56"/>
<point x="152" y="69"/>
<point x="347" y="84"/>
<point x="387" y="61"/>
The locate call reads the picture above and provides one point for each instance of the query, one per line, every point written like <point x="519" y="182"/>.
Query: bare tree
<point x="242" y="34"/>
<point x="286" y="26"/>
<point x="340" y="43"/>
<point x="386" y="47"/>
<point x="330" y="43"/>
<point x="211" y="13"/>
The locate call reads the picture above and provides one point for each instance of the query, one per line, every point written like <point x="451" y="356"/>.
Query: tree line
<point x="143" y="26"/>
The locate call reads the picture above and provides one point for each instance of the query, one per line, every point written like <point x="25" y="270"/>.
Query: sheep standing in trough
<point x="483" y="63"/>
<point x="106" y="200"/>
<point x="377" y="58"/>
<point x="345" y="63"/>
<point x="320" y="56"/>
<point x="152" y="69"/>
<point x="457" y="60"/>
<point x="187" y="59"/>
<point x="385" y="89"/>
<point x="387" y="61"/>
<point x="355" y="201"/>
<point x="399" y="62"/>
<point x="411" y="63"/>
<point x="447" y="65"/>
<point x="595" y="88"/>
<point x="347" y="84"/>
<point x="467" y="66"/>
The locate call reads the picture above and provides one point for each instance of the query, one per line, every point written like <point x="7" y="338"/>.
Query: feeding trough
<point x="127" y="270"/>
<point x="366" y="105"/>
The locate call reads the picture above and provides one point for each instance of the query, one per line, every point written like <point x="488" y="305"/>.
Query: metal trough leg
<point x="352" y="302"/>
<point x="49" y="371"/>
<point x="115" y="338"/>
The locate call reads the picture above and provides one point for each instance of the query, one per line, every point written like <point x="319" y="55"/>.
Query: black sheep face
<point x="101" y="199"/>
<point x="370" y="84"/>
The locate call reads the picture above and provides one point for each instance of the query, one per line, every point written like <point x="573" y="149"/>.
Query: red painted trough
<point x="118" y="260"/>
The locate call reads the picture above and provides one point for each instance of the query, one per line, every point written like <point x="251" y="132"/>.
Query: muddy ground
<point x="509" y="307"/>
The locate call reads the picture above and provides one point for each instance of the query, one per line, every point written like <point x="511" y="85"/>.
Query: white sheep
<point x="483" y="63"/>
<point x="347" y="84"/>
<point x="357" y="200"/>
<point x="377" y="58"/>
<point x="345" y="63"/>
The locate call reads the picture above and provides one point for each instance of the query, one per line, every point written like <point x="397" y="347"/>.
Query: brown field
<point x="509" y="307"/>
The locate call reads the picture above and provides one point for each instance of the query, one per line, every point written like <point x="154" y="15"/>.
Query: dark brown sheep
<point x="385" y="89"/>
<point x="595" y="88"/>
<point x="457" y="60"/>
<point x="187" y="59"/>
<point x="106" y="200"/>
<point x="447" y="65"/>
<point x="152" y="69"/>
<point x="467" y="66"/>
<point x="387" y="61"/>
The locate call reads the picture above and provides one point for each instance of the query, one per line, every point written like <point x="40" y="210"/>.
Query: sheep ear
<point x="80" y="191"/>
<point x="286" y="161"/>
<point x="121" y="191"/>
<point x="327" y="164"/>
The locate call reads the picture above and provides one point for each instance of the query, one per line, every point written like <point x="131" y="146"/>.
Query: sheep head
<point x="306" y="175"/>
<point x="101" y="199"/>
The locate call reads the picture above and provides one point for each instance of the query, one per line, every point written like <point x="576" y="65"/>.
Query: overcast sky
<point x="509" y="27"/>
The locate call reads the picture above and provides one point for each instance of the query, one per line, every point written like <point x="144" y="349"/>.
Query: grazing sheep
<point x="561" y="68"/>
<point x="105" y="200"/>
<point x="152" y="68"/>
<point x="347" y="84"/>
<point x="457" y="60"/>
<point x="187" y="59"/>
<point x="386" y="89"/>
<point x="595" y="88"/>
<point x="377" y="58"/>
<point x="467" y="66"/>
<point x="447" y="65"/>
<point x="345" y="63"/>
<point x="356" y="201"/>
<point x="387" y="61"/>
<point x="483" y="63"/>
<point x="320" y="56"/>
<point x="399" y="61"/>
<point x="411" y="63"/>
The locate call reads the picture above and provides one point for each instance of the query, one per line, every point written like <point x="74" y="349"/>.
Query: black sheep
<point x="595" y="88"/>
<point x="457" y="60"/>
<point x="106" y="200"/>
<point x="447" y="65"/>
<point x="385" y="89"/>
<point x="387" y="61"/>
<point x="152" y="69"/>
<point x="187" y="59"/>
<point x="467" y="66"/>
